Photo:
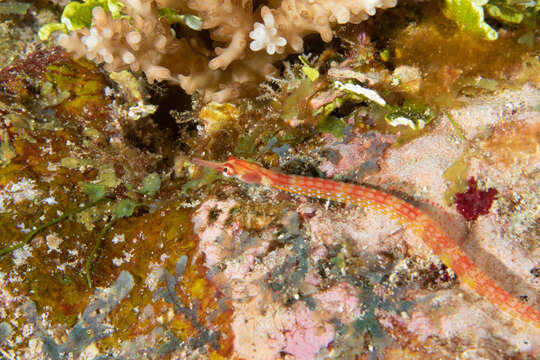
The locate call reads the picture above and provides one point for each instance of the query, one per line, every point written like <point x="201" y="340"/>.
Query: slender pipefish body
<point x="406" y="214"/>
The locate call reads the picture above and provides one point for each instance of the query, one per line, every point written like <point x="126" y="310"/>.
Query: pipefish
<point x="405" y="213"/>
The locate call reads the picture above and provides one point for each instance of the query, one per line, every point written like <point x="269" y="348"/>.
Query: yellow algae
<point x="150" y="238"/>
<point x="131" y="85"/>
<point x="7" y="153"/>
<point x="88" y="218"/>
<point x="294" y="108"/>
<point x="449" y="59"/>
<point x="71" y="162"/>
<point x="83" y="81"/>
<point x="403" y="354"/>
<point x="214" y="355"/>
<point x="197" y="288"/>
<point x="107" y="176"/>
<point x="455" y="176"/>
<point x="217" y="116"/>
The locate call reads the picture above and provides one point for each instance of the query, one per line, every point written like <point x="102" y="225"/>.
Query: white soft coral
<point x="266" y="35"/>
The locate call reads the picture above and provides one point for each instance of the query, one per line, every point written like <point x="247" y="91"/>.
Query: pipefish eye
<point x="227" y="171"/>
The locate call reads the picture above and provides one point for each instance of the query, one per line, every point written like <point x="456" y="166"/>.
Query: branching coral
<point x="294" y="19"/>
<point x="144" y="42"/>
<point x="244" y="40"/>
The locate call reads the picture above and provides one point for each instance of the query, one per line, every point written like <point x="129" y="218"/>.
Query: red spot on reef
<point x="474" y="202"/>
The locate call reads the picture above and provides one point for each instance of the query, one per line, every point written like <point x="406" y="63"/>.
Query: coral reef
<point x="245" y="40"/>
<point x="113" y="244"/>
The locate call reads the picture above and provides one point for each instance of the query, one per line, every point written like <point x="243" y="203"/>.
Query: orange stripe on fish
<point x="406" y="214"/>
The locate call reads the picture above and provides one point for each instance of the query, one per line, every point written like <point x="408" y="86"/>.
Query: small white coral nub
<point x="134" y="38"/>
<point x="341" y="13"/>
<point x="266" y="36"/>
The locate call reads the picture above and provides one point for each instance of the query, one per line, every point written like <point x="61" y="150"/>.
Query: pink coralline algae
<point x="211" y="232"/>
<point x="474" y="202"/>
<point x="341" y="302"/>
<point x="361" y="152"/>
<point x="306" y="335"/>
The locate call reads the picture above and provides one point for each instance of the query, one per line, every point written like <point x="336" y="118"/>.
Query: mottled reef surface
<point x="115" y="245"/>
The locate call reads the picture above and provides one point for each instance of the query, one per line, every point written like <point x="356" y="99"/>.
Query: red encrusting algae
<point x="474" y="202"/>
<point x="406" y="214"/>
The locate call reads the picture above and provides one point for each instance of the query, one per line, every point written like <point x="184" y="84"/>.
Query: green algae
<point x="106" y="175"/>
<point x="51" y="96"/>
<point x="308" y="70"/>
<point x="71" y="162"/>
<point x="448" y="59"/>
<point x="15" y="8"/>
<point x="332" y="125"/>
<point x="95" y="192"/>
<point x="469" y="15"/>
<point x="77" y="15"/>
<point x="208" y="177"/>
<point x="151" y="184"/>
<point x="245" y="145"/>
<point x="92" y="255"/>
<point x="412" y="114"/>
<point x="503" y="11"/>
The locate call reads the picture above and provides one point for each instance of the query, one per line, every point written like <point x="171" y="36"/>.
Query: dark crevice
<point x="160" y="133"/>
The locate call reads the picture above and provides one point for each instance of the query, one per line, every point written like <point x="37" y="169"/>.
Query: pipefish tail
<point x="405" y="213"/>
